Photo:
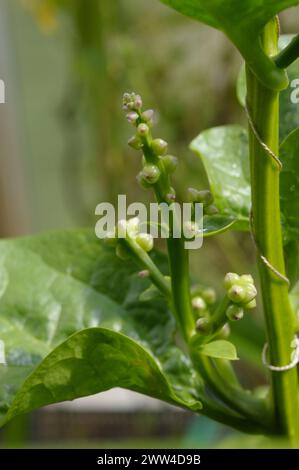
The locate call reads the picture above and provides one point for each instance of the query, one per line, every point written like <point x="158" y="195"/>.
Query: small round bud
<point x="205" y="197"/>
<point x="133" y="226"/>
<point x="148" y="116"/>
<point x="143" y="130"/>
<point x="132" y="102"/>
<point x="170" y="163"/>
<point x="135" y="142"/>
<point x="145" y="241"/>
<point x="122" y="252"/>
<point x="209" y="295"/>
<point x="159" y="146"/>
<point x="247" y="278"/>
<point x="250" y="305"/>
<point x="150" y="174"/>
<point x="224" y="332"/>
<point x="142" y="182"/>
<point x="199" y="304"/>
<point x="211" y="210"/>
<point x="191" y="229"/>
<point x="230" y="279"/>
<point x="234" y="313"/>
<point x="132" y="118"/>
<point x="250" y="293"/>
<point x="236" y="294"/>
<point x="202" y="325"/>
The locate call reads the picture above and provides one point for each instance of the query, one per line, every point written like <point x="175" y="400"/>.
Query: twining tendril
<point x="278" y="163"/>
<point x="294" y="358"/>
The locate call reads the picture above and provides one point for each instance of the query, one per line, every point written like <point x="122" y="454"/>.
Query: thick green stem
<point x="263" y="105"/>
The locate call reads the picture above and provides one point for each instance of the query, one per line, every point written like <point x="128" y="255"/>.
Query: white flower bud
<point x="234" y="313"/>
<point x="145" y="241"/>
<point x="159" y="147"/>
<point x="230" y="279"/>
<point x="199" y="304"/>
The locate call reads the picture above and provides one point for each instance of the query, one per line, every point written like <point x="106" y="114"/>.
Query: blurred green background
<point x="66" y="65"/>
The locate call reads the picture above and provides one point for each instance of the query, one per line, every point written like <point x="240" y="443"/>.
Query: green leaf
<point x="220" y="349"/>
<point x="92" y="361"/>
<point x="242" y="21"/>
<point x="289" y="186"/>
<point x="224" y="153"/>
<point x="216" y="224"/>
<point x="68" y="283"/>
<point x="289" y="112"/>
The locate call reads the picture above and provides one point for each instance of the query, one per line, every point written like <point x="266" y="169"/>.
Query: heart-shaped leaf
<point x="225" y="155"/>
<point x="220" y="349"/>
<point x="56" y="291"/>
<point x="242" y="21"/>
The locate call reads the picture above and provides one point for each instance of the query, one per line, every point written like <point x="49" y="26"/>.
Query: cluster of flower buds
<point x="202" y="299"/>
<point x="242" y="292"/>
<point x="205" y="198"/>
<point x="156" y="160"/>
<point x="129" y="230"/>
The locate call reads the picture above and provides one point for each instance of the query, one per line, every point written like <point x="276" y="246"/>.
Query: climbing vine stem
<point x="263" y="107"/>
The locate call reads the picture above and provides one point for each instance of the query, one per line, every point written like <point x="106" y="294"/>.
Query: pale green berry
<point x="230" y="279"/>
<point x="199" y="304"/>
<point x="170" y="163"/>
<point x="251" y="293"/>
<point x="150" y="174"/>
<point x="142" y="182"/>
<point x="234" y="313"/>
<point x="143" y="130"/>
<point x="203" y="325"/>
<point x="135" y="142"/>
<point x="145" y="241"/>
<point x="236" y="294"/>
<point x="170" y="197"/>
<point x="159" y="147"/>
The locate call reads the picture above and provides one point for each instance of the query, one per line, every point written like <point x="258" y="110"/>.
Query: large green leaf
<point x="242" y="21"/>
<point x="224" y="153"/>
<point x="56" y="291"/>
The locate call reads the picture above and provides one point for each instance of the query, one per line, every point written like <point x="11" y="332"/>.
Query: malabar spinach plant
<point x="75" y="319"/>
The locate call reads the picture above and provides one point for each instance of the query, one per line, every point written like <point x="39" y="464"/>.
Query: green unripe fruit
<point x="150" y="174"/>
<point x="143" y="130"/>
<point x="211" y="210"/>
<point x="159" y="147"/>
<point x="170" y="163"/>
<point x="145" y="241"/>
<point x="203" y="325"/>
<point x="236" y="294"/>
<point x="251" y="293"/>
<point x="230" y="279"/>
<point x="234" y="313"/>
